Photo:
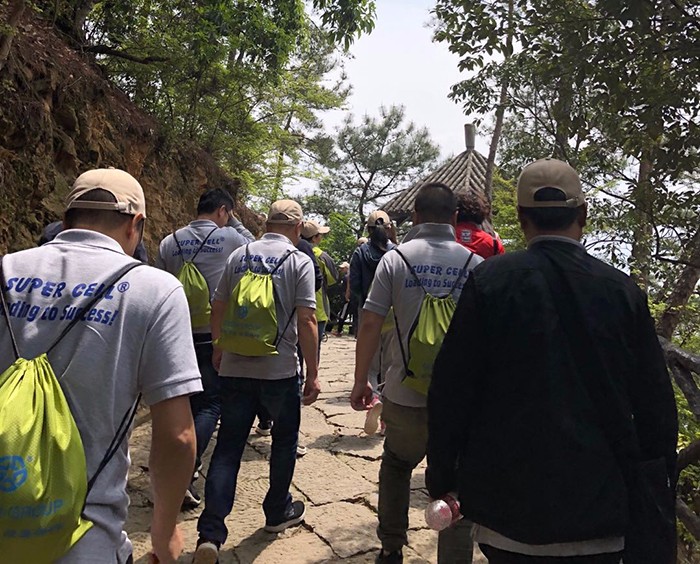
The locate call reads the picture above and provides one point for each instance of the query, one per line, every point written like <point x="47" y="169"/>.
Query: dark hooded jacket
<point x="363" y="265"/>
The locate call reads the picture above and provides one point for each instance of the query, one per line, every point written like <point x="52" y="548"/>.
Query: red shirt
<point x="478" y="241"/>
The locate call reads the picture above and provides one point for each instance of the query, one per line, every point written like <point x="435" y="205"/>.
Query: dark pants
<point x="206" y="405"/>
<point x="404" y="448"/>
<point x="240" y="401"/>
<point x="498" y="556"/>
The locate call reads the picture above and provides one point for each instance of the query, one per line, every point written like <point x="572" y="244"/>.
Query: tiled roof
<point x="467" y="171"/>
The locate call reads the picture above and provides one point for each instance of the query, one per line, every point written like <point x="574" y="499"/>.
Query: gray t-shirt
<point x="294" y="285"/>
<point x="439" y="261"/>
<point x="210" y="261"/>
<point x="136" y="339"/>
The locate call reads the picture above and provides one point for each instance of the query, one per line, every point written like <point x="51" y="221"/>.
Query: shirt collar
<point x="431" y="231"/>
<point x="277" y="237"/>
<point x="87" y="237"/>
<point x="203" y="222"/>
<point x="542" y="238"/>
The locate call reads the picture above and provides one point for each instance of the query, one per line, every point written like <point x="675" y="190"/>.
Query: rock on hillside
<point x="59" y="116"/>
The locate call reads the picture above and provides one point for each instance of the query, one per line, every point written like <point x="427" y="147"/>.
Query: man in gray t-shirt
<point x="249" y="382"/>
<point x="439" y="265"/>
<point x="207" y="242"/>
<point x="131" y="341"/>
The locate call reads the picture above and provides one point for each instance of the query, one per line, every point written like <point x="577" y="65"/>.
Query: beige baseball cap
<point x="124" y="187"/>
<point x="312" y="228"/>
<point x="549" y="173"/>
<point x="285" y="211"/>
<point x="377" y="215"/>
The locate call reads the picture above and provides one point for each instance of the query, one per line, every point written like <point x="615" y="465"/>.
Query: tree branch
<point x="106" y="50"/>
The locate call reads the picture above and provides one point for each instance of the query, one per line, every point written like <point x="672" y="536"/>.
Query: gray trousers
<point x="404" y="447"/>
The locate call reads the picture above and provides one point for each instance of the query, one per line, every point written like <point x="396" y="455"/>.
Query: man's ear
<point x="453" y="221"/>
<point x="522" y="219"/>
<point x="582" y="217"/>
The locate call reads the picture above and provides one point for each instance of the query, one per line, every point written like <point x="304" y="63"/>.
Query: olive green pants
<point x="404" y="447"/>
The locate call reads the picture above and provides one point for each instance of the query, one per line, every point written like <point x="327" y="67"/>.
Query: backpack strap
<point x="96" y="298"/>
<point x="495" y="245"/>
<point x="204" y="241"/>
<point x="117" y="440"/>
<point x="410" y="269"/>
<point x="6" y="311"/>
<point x="294" y="309"/>
<point x="285" y="257"/>
<point x="464" y="270"/>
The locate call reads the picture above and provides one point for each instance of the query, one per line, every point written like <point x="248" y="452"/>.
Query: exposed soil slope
<point x="59" y="116"/>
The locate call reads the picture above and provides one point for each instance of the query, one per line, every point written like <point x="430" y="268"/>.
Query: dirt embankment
<point x="59" y="116"/>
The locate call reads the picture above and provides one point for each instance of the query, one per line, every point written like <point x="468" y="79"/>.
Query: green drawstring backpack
<point x="427" y="333"/>
<point x="43" y="474"/>
<point x="195" y="286"/>
<point x="250" y="324"/>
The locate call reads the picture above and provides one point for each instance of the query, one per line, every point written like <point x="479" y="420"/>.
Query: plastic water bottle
<point x="443" y="513"/>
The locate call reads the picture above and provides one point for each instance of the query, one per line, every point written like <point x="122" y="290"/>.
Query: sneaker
<point x="395" y="557"/>
<point x="197" y="470"/>
<point x="301" y="451"/>
<point x="207" y="552"/>
<point x="264" y="428"/>
<point x="295" y="515"/>
<point x="192" y="498"/>
<point x="372" y="419"/>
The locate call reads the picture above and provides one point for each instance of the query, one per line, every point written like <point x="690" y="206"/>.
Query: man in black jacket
<point x="550" y="399"/>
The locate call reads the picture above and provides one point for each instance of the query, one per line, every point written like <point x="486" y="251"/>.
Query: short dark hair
<point x="550" y="219"/>
<point x="105" y="219"/>
<point x="213" y="199"/>
<point x="436" y="203"/>
<point x="473" y="207"/>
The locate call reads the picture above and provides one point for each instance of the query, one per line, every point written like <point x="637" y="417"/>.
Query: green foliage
<point x="340" y="242"/>
<point x="245" y="80"/>
<point x="371" y="161"/>
<point x="504" y="209"/>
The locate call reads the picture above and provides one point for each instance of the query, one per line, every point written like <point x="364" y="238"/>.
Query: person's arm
<point x="368" y="339"/>
<point x="452" y="392"/>
<point x="160" y="258"/>
<point x="173" y="446"/>
<point x="355" y="281"/>
<point x="307" y="329"/>
<point x="218" y="309"/>
<point x="651" y="394"/>
<point x="234" y="222"/>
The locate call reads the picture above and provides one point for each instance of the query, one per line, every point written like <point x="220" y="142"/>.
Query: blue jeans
<point x="240" y="399"/>
<point x="206" y="405"/>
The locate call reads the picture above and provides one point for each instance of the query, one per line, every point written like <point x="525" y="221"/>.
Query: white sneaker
<point x="301" y="451"/>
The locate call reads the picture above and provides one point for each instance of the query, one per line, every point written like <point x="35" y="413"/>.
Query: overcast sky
<point x="399" y="64"/>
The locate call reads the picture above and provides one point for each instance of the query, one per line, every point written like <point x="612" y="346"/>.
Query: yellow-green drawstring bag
<point x="43" y="474"/>
<point x="427" y="333"/>
<point x="250" y="324"/>
<point x="195" y="286"/>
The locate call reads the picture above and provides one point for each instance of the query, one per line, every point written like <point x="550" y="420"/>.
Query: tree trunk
<point x="682" y="289"/>
<point x="642" y="228"/>
<point x="16" y="10"/>
<point x="495" y="138"/>
<point x="500" y="114"/>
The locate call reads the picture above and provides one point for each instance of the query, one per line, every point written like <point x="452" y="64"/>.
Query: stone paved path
<point x="337" y="480"/>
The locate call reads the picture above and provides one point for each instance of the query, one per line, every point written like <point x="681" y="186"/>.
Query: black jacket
<point x="511" y="423"/>
<point x="363" y="265"/>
